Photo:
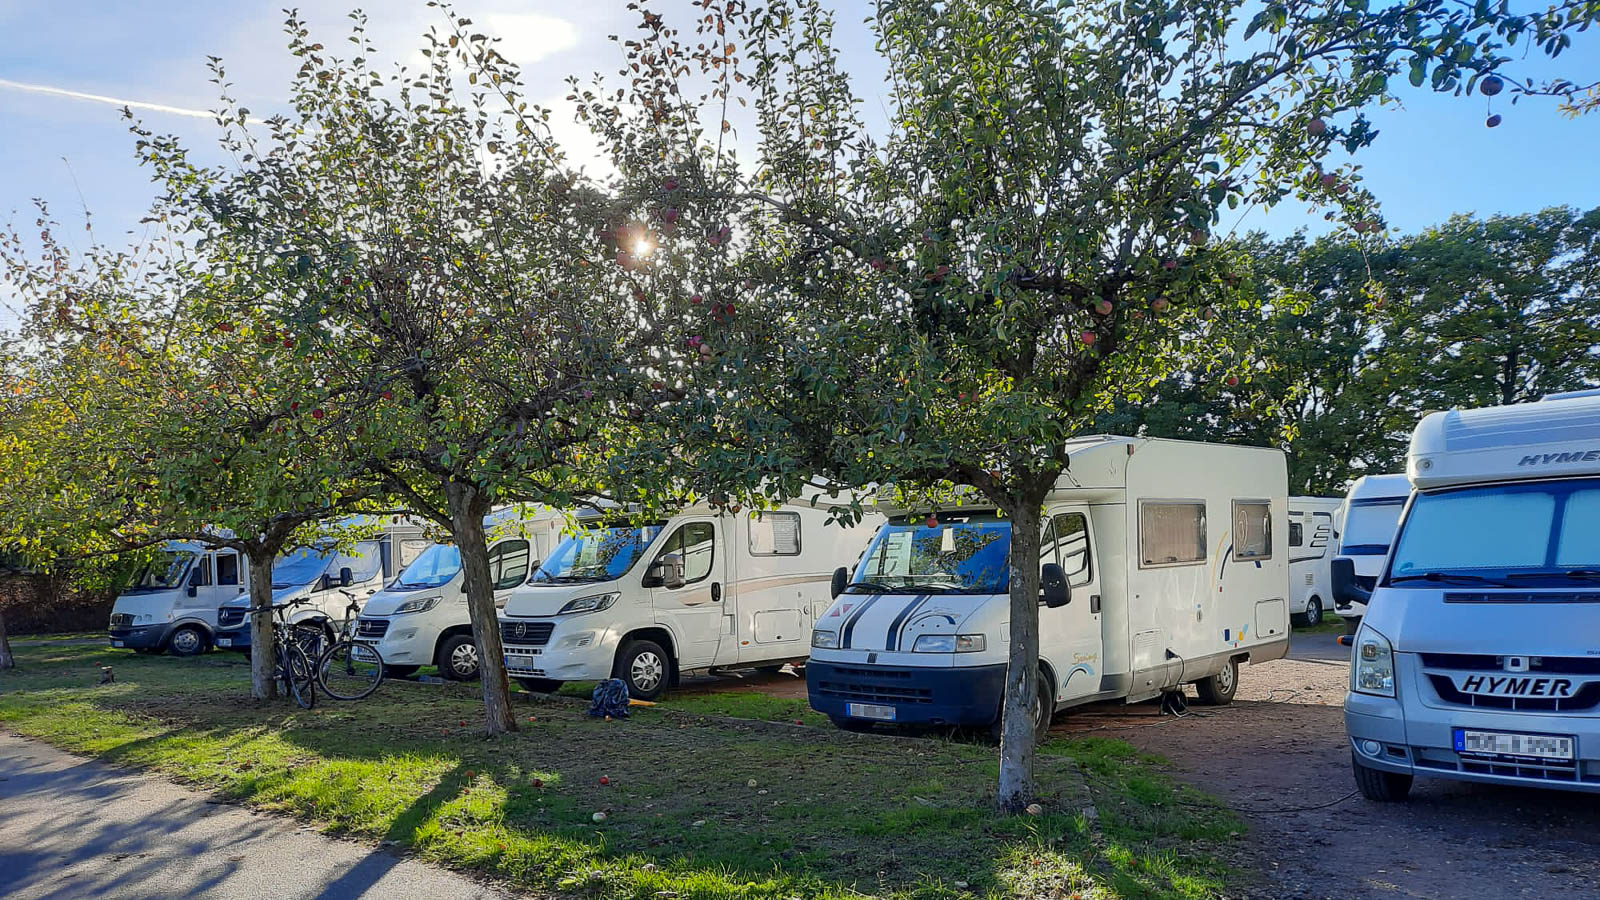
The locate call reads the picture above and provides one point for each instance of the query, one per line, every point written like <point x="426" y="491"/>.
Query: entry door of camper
<point x="1070" y="636"/>
<point x="697" y="553"/>
<point x="216" y="578"/>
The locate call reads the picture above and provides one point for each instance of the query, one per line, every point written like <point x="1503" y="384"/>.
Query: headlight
<point x="950" y="643"/>
<point x="145" y="617"/>
<point x="827" y="640"/>
<point x="1373" y="672"/>
<point x="419" y="604"/>
<point x="589" y="604"/>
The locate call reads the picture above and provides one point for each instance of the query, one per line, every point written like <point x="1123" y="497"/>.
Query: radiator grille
<point x="535" y="633"/>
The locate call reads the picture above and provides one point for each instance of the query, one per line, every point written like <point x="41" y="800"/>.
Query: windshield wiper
<point x="570" y="579"/>
<point x="873" y="587"/>
<point x="1458" y="577"/>
<point x="1581" y="574"/>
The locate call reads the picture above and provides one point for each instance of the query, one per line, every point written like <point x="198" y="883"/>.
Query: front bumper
<point x="232" y="638"/>
<point x="570" y="652"/>
<point x="140" y="637"/>
<point x="1410" y="737"/>
<point x="401" y="643"/>
<point x="917" y="695"/>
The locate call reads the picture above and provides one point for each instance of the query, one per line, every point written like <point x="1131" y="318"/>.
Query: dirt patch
<point x="1278" y="756"/>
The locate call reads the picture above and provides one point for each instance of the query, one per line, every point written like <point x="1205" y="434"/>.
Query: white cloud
<point x="6" y="84"/>
<point x="527" y="38"/>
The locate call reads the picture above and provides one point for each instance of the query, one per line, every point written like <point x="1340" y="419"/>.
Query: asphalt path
<point x="72" y="828"/>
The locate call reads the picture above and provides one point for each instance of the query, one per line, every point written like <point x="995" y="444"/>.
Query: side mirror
<point x="346" y="576"/>
<point x="191" y="590"/>
<point x="1346" y="590"/>
<point x="1053" y="586"/>
<point x="841" y="577"/>
<point x="194" y="578"/>
<point x="672" y="578"/>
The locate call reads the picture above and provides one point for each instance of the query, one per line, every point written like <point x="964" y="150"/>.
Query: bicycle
<point x="349" y="669"/>
<point x="293" y="668"/>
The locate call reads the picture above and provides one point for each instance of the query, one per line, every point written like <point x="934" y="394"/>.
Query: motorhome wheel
<point x="1218" y="690"/>
<point x="187" y="641"/>
<point x="645" y="668"/>
<point x="1043" y="712"/>
<point x="458" y="658"/>
<point x="1314" y="611"/>
<point x="1376" y="784"/>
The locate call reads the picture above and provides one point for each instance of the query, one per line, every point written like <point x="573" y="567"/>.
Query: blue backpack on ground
<point x="610" y="699"/>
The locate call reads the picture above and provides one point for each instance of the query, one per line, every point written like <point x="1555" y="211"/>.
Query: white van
<point x="1371" y="513"/>
<point x="1313" y="541"/>
<point x="421" y="617"/>
<point x="1169" y="563"/>
<point x="172" y="603"/>
<point x="328" y="578"/>
<point x="702" y="590"/>
<point x="1479" y="656"/>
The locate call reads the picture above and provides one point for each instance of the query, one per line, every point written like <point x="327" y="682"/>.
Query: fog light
<point x="1371" y="748"/>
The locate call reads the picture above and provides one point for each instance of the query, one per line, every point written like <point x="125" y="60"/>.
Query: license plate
<point x="362" y="654"/>
<point x="1499" y="743"/>
<point x="870" y="711"/>
<point x="224" y="642"/>
<point x="116" y="643"/>
<point x="518" y="663"/>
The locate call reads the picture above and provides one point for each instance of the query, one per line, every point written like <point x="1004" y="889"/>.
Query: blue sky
<point x="1432" y="158"/>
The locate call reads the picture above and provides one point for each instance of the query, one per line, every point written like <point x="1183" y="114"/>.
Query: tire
<point x="349" y="671"/>
<point x="1219" y="689"/>
<point x="188" y="640"/>
<point x="399" y="671"/>
<point x="1314" y="611"/>
<point x="645" y="668"/>
<point x="540" y="685"/>
<point x="1043" y="712"/>
<point x="845" y="723"/>
<point x="1376" y="784"/>
<point x="457" y="658"/>
<point x="301" y="677"/>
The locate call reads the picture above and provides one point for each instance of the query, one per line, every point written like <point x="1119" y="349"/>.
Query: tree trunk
<point x="468" y="506"/>
<point x="1017" y="734"/>
<point x="7" y="660"/>
<point x="263" y="686"/>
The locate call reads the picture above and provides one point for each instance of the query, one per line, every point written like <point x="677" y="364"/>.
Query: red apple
<point x="224" y="326"/>
<point x="317" y="413"/>
<point x="294" y="405"/>
<point x="1232" y="381"/>
<point x="932" y="522"/>
<point x="1159" y="304"/>
<point x="1329" y="180"/>
<point x="1491" y="86"/>
<point x="604" y="779"/>
<point x="387" y="395"/>
<point x="1087" y="338"/>
<point x="671" y="184"/>
<point x="1317" y="127"/>
<point x="1170" y="264"/>
<point x="1493" y="121"/>
<point x="670" y="216"/>
<point x="537" y="782"/>
<point x="1104" y="307"/>
<point x="696" y="299"/>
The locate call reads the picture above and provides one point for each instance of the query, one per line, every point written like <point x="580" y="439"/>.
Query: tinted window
<point x="508" y="564"/>
<point x="1172" y="533"/>
<point x="1297" y="534"/>
<point x="227" y="568"/>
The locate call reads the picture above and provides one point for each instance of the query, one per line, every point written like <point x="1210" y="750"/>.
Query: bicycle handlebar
<point x="277" y="607"/>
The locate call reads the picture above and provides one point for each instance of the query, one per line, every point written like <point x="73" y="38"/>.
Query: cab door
<point x="214" y="579"/>
<point x="687" y="589"/>
<point x="508" y="567"/>
<point x="1070" y="637"/>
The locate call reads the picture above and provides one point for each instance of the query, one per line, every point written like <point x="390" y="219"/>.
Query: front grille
<point x="229" y="617"/>
<point x="1488" y="663"/>
<point x="1586" y="698"/>
<point x="534" y="633"/>
<point x="1522" y="597"/>
<point x="371" y="629"/>
<point x="121" y="620"/>
<point x="873" y="686"/>
<point x="1441" y="670"/>
<point x="1558" y="772"/>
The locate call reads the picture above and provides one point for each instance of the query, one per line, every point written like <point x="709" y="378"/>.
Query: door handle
<point x="716" y="592"/>
<point x="1094" y="603"/>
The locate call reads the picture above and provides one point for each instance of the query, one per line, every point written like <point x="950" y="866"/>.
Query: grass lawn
<point x="1330" y="624"/>
<point x="696" y="806"/>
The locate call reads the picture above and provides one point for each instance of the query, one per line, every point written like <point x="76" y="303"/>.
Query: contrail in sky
<point x="7" y="84"/>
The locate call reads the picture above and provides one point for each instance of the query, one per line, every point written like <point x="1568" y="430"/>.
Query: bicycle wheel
<point x="350" y="671"/>
<point x="302" y="676"/>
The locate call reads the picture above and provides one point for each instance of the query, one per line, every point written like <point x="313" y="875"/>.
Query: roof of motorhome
<point x="1369" y="487"/>
<point x="1552" y="438"/>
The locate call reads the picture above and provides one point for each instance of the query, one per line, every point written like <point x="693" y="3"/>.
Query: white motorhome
<point x="1370" y="514"/>
<point x="172" y="603"/>
<point x="328" y="578"/>
<point x="703" y="590"/>
<point x="1479" y="656"/>
<point x="1313" y="541"/>
<point x="1170" y="563"/>
<point x="421" y="617"/>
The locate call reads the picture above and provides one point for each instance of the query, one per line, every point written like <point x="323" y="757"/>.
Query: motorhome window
<point x="1369" y="526"/>
<point x="598" y="554"/>
<point x="411" y="549"/>
<point x="1297" y="533"/>
<point x="433" y="567"/>
<point x="228" y="568"/>
<point x="691" y="551"/>
<point x="508" y="564"/>
<point x="1252" y="530"/>
<point x="1066" y="543"/>
<point x="163" y="573"/>
<point x="774" y="533"/>
<point x="966" y="554"/>
<point x="202" y="572"/>
<point x="1526" y="531"/>
<point x="1172" y="533"/>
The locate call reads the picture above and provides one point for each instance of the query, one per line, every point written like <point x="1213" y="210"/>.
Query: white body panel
<point x="1367" y="520"/>
<point x="1134" y="627"/>
<point x="746" y="605"/>
<point x="1313" y="542"/>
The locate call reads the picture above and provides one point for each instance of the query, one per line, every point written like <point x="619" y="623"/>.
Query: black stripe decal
<point x="892" y="642"/>
<point x="850" y="623"/>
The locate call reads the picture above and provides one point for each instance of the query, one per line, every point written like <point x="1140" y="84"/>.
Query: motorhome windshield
<point x="959" y="555"/>
<point x="434" y="568"/>
<point x="163" y="573"/>
<point x="1513" y="534"/>
<point x="600" y="554"/>
<point x="1369" y="526"/>
<point x="303" y="566"/>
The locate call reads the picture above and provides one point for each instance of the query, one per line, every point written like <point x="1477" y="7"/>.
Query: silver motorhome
<point x="1479" y="656"/>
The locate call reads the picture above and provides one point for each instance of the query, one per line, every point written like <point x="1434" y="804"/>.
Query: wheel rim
<point x="464" y="659"/>
<point x="186" y="641"/>
<point x="646" y="671"/>
<point x="1314" y="612"/>
<point x="1225" y="679"/>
